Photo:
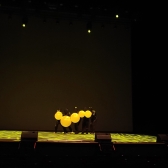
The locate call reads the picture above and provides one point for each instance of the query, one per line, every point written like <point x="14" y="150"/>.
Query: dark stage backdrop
<point x="47" y="66"/>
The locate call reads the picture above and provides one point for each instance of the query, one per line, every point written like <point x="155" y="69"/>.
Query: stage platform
<point x="81" y="150"/>
<point x="6" y="135"/>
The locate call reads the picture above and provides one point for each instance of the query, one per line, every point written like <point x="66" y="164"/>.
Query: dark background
<point x="149" y="71"/>
<point x="149" y="116"/>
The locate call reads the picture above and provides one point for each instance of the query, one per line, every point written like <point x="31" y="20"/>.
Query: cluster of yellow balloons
<point x="74" y="118"/>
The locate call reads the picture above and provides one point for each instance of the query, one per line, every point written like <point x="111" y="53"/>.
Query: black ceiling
<point x="93" y="8"/>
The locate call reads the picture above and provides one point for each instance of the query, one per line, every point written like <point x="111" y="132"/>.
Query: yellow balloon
<point x="65" y="121"/>
<point x="81" y="113"/>
<point x="75" y="117"/>
<point x="88" y="114"/>
<point x="58" y="115"/>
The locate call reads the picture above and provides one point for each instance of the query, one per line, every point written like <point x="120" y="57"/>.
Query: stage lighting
<point x="117" y="16"/>
<point x="24" y="21"/>
<point x="105" y="142"/>
<point x="89" y="27"/>
<point x="29" y="136"/>
<point x="162" y="138"/>
<point x="103" y="137"/>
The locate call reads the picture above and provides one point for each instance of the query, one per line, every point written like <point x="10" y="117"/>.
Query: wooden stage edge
<point x="51" y="137"/>
<point x="79" y="142"/>
<point x="83" y="142"/>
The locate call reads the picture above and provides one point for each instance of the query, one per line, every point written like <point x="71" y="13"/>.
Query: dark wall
<point x="148" y="64"/>
<point x="47" y="66"/>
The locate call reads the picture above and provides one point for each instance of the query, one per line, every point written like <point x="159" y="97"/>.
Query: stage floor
<point x="6" y="135"/>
